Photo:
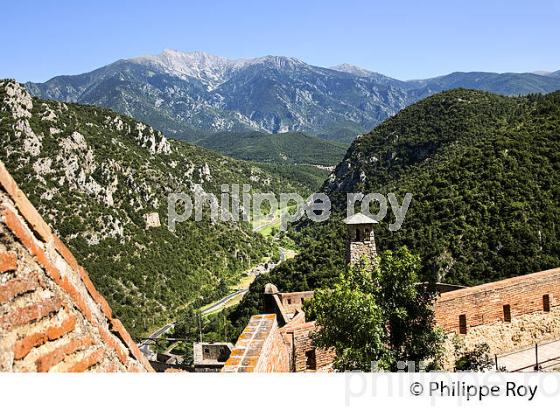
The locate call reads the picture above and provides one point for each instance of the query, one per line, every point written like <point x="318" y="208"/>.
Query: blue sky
<point x="403" y="39"/>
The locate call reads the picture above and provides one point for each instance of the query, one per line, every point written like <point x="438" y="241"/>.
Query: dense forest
<point x="288" y="148"/>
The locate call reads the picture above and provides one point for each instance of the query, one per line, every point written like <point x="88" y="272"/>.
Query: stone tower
<point x="360" y="241"/>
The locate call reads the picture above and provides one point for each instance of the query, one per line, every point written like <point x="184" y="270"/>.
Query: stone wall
<point x="523" y="331"/>
<point x="307" y="357"/>
<point x="486" y="304"/>
<point x="360" y="244"/>
<point x="51" y="316"/>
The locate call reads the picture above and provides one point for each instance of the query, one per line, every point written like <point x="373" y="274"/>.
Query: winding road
<point x="144" y="345"/>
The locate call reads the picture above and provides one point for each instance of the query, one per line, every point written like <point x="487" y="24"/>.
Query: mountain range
<point x="189" y="95"/>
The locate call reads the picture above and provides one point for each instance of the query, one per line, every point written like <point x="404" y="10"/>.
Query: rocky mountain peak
<point x="211" y="70"/>
<point x="352" y="69"/>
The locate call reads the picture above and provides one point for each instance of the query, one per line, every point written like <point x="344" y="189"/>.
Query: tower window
<point x="463" y="324"/>
<point x="507" y="313"/>
<point x="546" y="303"/>
<point x="358" y="234"/>
<point x="367" y="234"/>
<point x="310" y="360"/>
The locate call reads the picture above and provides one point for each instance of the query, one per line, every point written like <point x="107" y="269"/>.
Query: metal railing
<point x="539" y="361"/>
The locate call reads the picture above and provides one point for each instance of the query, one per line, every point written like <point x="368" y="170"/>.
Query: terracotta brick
<point x="35" y="235"/>
<point x="65" y="253"/>
<point x="67" y="325"/>
<point x="30" y="313"/>
<point x="24" y="345"/>
<point x="8" y="261"/>
<point x="77" y="298"/>
<point x="88" y="361"/>
<point x="24" y="205"/>
<point x="19" y="229"/>
<point x="45" y="362"/>
<point x="108" y="339"/>
<point x="48" y="265"/>
<point x="18" y="286"/>
<point x="118" y="327"/>
<point x="97" y="297"/>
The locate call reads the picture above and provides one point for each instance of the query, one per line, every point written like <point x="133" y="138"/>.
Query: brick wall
<point x="259" y="348"/>
<point x="296" y="332"/>
<point x="51" y="316"/>
<point x="306" y="357"/>
<point x="484" y="304"/>
<point x="292" y="301"/>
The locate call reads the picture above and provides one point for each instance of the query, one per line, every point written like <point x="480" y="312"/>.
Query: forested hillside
<point x="484" y="173"/>
<point x="483" y="170"/>
<point x="96" y="176"/>
<point x="284" y="148"/>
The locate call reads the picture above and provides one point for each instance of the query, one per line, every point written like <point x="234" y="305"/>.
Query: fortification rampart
<point x="51" y="316"/>
<point x="458" y="311"/>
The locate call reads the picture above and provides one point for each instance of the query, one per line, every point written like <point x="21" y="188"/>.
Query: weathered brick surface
<point x="51" y="316"/>
<point x="17" y="286"/>
<point x="8" y="261"/>
<point x="307" y="357"/>
<point x="260" y="348"/>
<point x="84" y="362"/>
<point x="94" y="293"/>
<point x="484" y="304"/>
<point x="24" y="345"/>
<point x="25" y="207"/>
<point x="26" y="314"/>
<point x="46" y="362"/>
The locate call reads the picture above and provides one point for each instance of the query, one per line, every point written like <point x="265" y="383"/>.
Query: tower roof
<point x="359" y="219"/>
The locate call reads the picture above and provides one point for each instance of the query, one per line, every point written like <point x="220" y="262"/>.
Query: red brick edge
<point x="39" y="226"/>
